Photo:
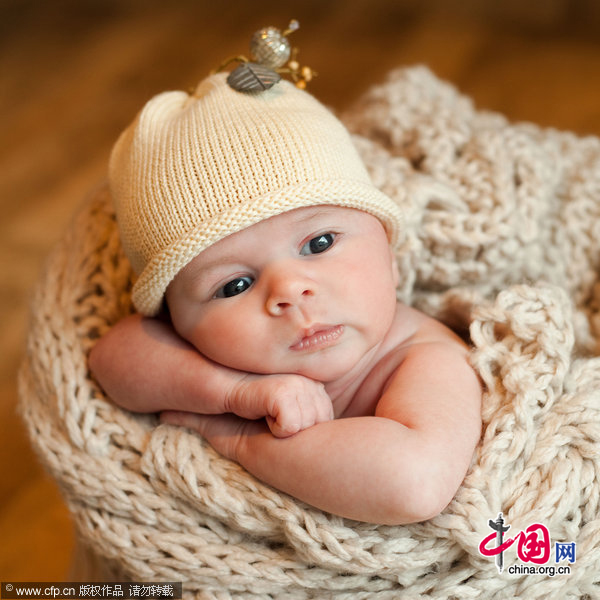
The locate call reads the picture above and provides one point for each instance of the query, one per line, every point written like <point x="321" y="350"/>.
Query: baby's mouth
<point x="317" y="337"/>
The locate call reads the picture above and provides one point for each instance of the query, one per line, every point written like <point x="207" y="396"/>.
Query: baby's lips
<point x="317" y="336"/>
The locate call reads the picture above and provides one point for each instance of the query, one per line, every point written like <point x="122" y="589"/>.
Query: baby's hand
<point x="290" y="403"/>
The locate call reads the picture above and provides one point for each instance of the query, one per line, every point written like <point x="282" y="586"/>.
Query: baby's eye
<point x="234" y="287"/>
<point x="317" y="244"/>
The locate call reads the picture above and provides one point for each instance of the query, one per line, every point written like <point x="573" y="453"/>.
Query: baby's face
<point x="310" y="291"/>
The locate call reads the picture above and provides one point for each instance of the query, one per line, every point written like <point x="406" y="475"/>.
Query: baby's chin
<point x="330" y="370"/>
<point x="323" y="372"/>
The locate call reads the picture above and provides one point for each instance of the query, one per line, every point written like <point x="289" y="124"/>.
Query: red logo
<point x="533" y="546"/>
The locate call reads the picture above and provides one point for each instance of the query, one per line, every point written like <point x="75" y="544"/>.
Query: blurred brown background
<point x="74" y="72"/>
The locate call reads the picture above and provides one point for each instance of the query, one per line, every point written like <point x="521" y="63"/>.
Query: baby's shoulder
<point x="411" y="327"/>
<point x="413" y="332"/>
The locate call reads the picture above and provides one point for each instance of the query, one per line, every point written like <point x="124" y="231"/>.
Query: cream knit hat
<point x="191" y="170"/>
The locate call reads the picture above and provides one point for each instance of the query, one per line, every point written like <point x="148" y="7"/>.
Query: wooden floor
<point x="74" y="72"/>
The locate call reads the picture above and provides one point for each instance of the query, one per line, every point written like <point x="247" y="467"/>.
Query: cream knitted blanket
<point x="493" y="209"/>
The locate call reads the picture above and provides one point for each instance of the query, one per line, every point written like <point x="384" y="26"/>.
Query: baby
<point x="282" y="342"/>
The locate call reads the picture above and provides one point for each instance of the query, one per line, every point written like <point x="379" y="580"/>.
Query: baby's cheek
<point x="228" y="340"/>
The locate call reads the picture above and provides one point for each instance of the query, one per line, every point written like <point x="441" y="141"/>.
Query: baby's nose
<point x="288" y="290"/>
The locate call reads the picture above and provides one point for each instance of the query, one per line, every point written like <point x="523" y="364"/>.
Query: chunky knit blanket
<point x="502" y="240"/>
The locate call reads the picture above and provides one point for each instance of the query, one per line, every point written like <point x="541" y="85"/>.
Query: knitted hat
<point x="191" y="170"/>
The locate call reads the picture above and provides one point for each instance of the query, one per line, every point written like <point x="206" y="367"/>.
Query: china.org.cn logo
<point x="534" y="549"/>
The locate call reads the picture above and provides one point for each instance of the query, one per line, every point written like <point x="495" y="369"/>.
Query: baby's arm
<point x="404" y="464"/>
<point x="144" y="366"/>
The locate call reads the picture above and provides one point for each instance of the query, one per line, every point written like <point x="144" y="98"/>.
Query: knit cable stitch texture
<point x="502" y="237"/>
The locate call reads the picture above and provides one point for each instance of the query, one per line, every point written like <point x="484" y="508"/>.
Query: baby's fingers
<point x="318" y="408"/>
<point x="323" y="407"/>
<point x="298" y="410"/>
<point x="282" y="427"/>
